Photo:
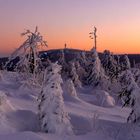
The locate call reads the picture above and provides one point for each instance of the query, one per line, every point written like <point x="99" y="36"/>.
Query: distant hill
<point x="71" y="54"/>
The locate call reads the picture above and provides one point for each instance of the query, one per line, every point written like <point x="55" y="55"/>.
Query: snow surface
<point x="91" y="118"/>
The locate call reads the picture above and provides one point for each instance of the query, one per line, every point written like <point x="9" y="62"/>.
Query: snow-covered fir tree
<point x="63" y="63"/>
<point x="110" y="65"/>
<point x="52" y="115"/>
<point x="95" y="73"/>
<point x="136" y="73"/>
<point x="73" y="75"/>
<point x="130" y="94"/>
<point x="61" y="59"/>
<point x="80" y="71"/>
<point x="81" y="57"/>
<point x="125" y="63"/>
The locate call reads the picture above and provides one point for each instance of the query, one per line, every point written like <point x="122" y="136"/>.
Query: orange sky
<point x="70" y="21"/>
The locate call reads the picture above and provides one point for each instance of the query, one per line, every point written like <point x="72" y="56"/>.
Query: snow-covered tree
<point x="130" y="94"/>
<point x="61" y="59"/>
<point x="63" y="63"/>
<point x="73" y="75"/>
<point x="95" y="73"/>
<point x="71" y="88"/>
<point x="52" y="115"/>
<point x="110" y="65"/>
<point x="28" y="53"/>
<point x="81" y="58"/>
<point x="80" y="71"/>
<point x="136" y="73"/>
<point x="125" y="63"/>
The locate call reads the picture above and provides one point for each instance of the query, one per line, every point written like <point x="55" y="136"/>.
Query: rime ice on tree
<point x="52" y="115"/>
<point x="28" y="53"/>
<point x="136" y="73"/>
<point x="125" y="64"/>
<point x="110" y="65"/>
<point x="95" y="73"/>
<point x="73" y="75"/>
<point x="130" y="94"/>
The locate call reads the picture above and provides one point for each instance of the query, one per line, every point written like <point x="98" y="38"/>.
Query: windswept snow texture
<point x="90" y="118"/>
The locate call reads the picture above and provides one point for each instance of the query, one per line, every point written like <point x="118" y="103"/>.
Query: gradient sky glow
<point x="70" y="21"/>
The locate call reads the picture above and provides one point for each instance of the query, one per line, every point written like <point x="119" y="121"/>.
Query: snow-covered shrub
<point x="52" y="115"/>
<point x="71" y="88"/>
<point x="130" y="94"/>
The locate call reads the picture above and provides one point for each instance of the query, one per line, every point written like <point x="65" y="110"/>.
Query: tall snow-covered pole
<point x="93" y="35"/>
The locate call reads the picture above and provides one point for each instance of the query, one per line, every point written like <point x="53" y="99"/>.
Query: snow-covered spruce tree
<point x="61" y="59"/>
<point x="73" y="75"/>
<point x="95" y="73"/>
<point x="63" y="63"/>
<point x="52" y="115"/>
<point x="28" y="53"/>
<point x="81" y="57"/>
<point x="136" y="73"/>
<point x="110" y="65"/>
<point x="130" y="94"/>
<point x="125" y="63"/>
<point x="80" y="71"/>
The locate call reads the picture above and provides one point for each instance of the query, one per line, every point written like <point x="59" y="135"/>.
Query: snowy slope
<point x="19" y="121"/>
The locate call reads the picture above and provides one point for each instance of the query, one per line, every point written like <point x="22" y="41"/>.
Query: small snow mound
<point x="104" y="99"/>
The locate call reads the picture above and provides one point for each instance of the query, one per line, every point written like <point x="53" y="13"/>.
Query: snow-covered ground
<point x="92" y="117"/>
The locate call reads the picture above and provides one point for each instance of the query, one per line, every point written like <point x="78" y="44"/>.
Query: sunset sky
<point x="70" y="21"/>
